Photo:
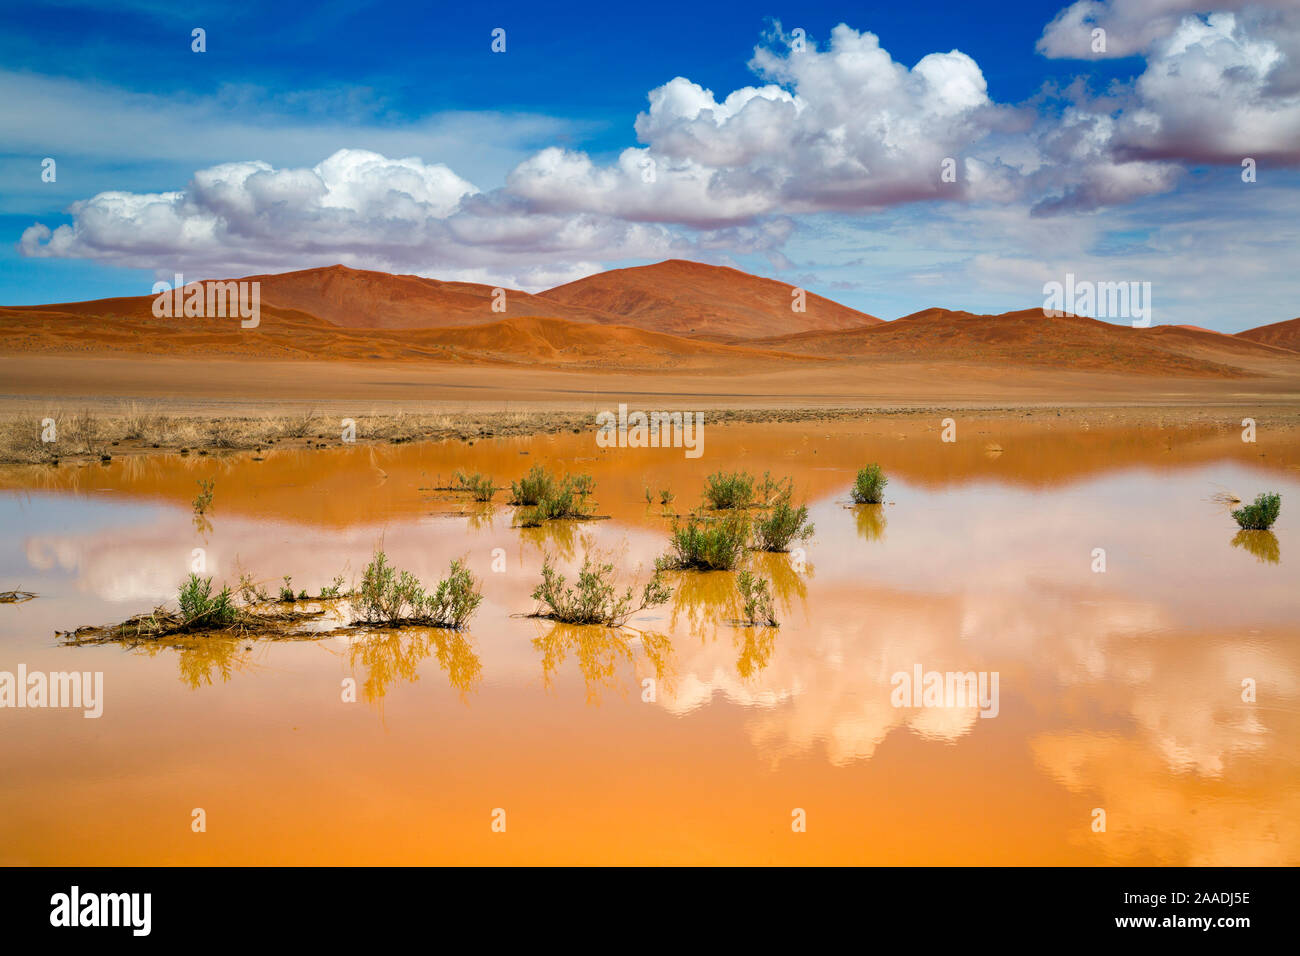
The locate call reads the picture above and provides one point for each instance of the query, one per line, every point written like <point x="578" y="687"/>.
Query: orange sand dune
<point x="1028" y="337"/>
<point x="1216" y="347"/>
<point x="1285" y="335"/>
<point x="676" y="297"/>
<point x="675" y="316"/>
<point x="284" y="333"/>
<point x="358" y="299"/>
<point x="703" y="301"/>
<point x="531" y="340"/>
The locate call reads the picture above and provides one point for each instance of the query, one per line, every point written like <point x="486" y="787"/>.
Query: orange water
<point x="1119" y="691"/>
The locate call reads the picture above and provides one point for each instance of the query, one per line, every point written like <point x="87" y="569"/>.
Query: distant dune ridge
<point x="1284" y="335"/>
<point x="360" y="299"/>
<point x="703" y="301"/>
<point x="675" y="315"/>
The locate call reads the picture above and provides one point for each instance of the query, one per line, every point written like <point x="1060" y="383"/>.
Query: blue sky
<point x="1068" y="160"/>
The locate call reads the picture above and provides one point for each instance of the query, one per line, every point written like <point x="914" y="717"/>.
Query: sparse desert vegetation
<point x="479" y="487"/>
<point x="785" y="524"/>
<point x="200" y="608"/>
<point x="532" y="487"/>
<point x="727" y="490"/>
<point x="594" y="597"/>
<point x="771" y="491"/>
<point x="240" y="610"/>
<point x="387" y="597"/>
<point x="392" y="598"/>
<point x="548" y="498"/>
<point x="708" y="544"/>
<point x="1260" y="514"/>
<point x="869" y="487"/>
<point x="756" y="599"/>
<point x="334" y="589"/>
<point x="83" y="434"/>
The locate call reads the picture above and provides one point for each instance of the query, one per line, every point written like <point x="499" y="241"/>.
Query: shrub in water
<point x="783" y="525"/>
<point x="594" y="598"/>
<point x="772" y="490"/>
<point x="200" y="608"/>
<point x="481" y="488"/>
<point x="757" y="598"/>
<point x="551" y="498"/>
<point x="1260" y="515"/>
<point x="724" y="491"/>
<point x="454" y="601"/>
<point x="869" y="488"/>
<point x="708" y="545"/>
<point x="531" y="488"/>
<point x="391" y="597"/>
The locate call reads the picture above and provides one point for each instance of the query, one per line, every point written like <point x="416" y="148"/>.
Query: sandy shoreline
<point x="112" y="430"/>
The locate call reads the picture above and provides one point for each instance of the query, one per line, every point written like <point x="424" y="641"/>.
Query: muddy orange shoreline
<point x="101" y="433"/>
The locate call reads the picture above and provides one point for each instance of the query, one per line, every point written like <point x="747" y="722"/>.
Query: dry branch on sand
<point x="161" y="623"/>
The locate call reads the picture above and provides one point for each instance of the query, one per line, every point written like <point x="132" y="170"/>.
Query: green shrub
<point x="286" y="589"/>
<point x="551" y="498"/>
<point x="783" y="525"/>
<point x="482" y="488"/>
<point x="666" y="497"/>
<point x="201" y="609"/>
<point x="1260" y="515"/>
<point x="594" y="599"/>
<point x="757" y="598"/>
<point x="771" y="490"/>
<point x="390" y="597"/>
<point x="869" y="488"/>
<point x="455" y="599"/>
<point x="724" y="491"/>
<point x="335" y="588"/>
<point x="708" y="544"/>
<point x="532" y="487"/>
